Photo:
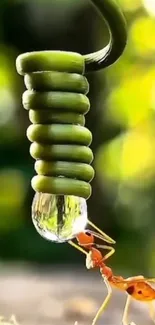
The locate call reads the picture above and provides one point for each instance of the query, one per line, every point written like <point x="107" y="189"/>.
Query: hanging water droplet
<point x="59" y="218"/>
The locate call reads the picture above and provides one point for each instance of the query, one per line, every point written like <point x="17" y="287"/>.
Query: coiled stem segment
<point x="57" y="102"/>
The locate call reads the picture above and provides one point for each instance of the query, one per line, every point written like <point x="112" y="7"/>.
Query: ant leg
<point x="109" y="248"/>
<point x="105" y="236"/>
<point x="126" y="310"/>
<point x="151" y="311"/>
<point x="105" y="302"/>
<point x="77" y="247"/>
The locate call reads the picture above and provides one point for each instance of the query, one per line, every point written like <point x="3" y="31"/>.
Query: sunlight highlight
<point x="150" y="6"/>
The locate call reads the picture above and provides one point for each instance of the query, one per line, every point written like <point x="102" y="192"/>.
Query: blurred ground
<point x="53" y="296"/>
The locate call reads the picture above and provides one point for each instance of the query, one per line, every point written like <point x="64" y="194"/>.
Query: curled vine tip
<point x="116" y="23"/>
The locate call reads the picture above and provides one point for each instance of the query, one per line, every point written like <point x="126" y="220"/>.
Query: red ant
<point x="136" y="287"/>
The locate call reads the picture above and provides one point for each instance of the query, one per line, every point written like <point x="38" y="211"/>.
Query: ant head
<point x="85" y="238"/>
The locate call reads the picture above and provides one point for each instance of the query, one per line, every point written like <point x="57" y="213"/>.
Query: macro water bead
<point x="59" y="218"/>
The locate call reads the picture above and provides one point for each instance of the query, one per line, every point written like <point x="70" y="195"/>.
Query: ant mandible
<point x="136" y="287"/>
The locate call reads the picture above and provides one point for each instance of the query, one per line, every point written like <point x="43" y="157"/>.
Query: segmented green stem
<point x="57" y="102"/>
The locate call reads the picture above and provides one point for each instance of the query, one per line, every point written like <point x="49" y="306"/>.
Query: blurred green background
<point x="122" y="120"/>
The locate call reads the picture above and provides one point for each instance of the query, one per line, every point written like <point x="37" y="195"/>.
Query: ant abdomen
<point x="141" y="291"/>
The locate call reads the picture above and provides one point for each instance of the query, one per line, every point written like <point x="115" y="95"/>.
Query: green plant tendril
<point x="111" y="13"/>
<point x="57" y="103"/>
